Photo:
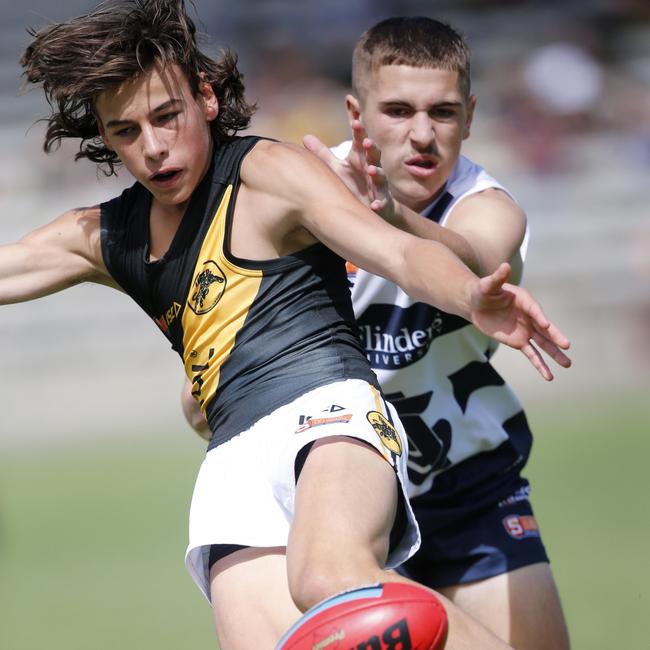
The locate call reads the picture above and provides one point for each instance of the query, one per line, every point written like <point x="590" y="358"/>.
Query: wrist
<point x="468" y="296"/>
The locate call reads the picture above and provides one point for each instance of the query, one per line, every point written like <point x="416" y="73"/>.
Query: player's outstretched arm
<point x="363" y="176"/>
<point x="58" y="255"/>
<point x="312" y="197"/>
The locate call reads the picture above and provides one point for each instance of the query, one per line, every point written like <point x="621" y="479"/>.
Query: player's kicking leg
<point x="346" y="545"/>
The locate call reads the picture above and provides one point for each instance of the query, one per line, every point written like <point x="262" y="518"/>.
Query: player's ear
<point x="471" y="105"/>
<point x="353" y="108"/>
<point x="208" y="98"/>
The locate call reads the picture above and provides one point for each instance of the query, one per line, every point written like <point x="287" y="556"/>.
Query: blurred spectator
<point x="554" y="94"/>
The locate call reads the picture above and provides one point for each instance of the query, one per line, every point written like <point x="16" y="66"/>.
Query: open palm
<point x="509" y="314"/>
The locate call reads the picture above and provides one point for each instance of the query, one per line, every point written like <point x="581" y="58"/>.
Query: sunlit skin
<point x="418" y="119"/>
<point x="161" y="133"/>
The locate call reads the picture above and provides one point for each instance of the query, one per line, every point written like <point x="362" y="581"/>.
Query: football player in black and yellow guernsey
<point x="235" y="247"/>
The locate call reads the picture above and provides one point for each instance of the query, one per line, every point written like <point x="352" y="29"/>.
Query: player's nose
<point x="422" y="132"/>
<point x="153" y="146"/>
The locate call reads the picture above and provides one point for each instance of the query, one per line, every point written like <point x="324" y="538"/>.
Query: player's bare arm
<point x="53" y="257"/>
<point x="311" y="203"/>
<point x="306" y="196"/>
<point x="362" y="174"/>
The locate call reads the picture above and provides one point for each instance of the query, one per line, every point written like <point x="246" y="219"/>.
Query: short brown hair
<point x="77" y="60"/>
<point x="417" y="41"/>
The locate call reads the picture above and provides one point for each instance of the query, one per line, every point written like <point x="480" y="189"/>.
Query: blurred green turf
<point x="92" y="539"/>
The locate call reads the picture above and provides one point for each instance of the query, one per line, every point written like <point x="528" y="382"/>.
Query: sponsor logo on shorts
<point x="386" y="432"/>
<point x="207" y="288"/>
<point x="520" y="495"/>
<point x="310" y="422"/>
<point x="521" y="526"/>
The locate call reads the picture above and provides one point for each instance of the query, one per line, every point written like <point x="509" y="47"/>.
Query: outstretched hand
<point x="360" y="170"/>
<point x="509" y="314"/>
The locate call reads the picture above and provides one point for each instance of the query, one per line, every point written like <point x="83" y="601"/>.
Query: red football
<point x="390" y="616"/>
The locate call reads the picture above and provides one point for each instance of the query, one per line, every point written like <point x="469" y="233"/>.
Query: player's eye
<point x="165" y="118"/>
<point x="125" y="131"/>
<point x="443" y="113"/>
<point x="397" y="111"/>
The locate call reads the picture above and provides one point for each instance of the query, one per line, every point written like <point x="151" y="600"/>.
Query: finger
<point x="493" y="284"/>
<point x="379" y="183"/>
<point x="378" y="175"/>
<point x="552" y="350"/>
<point x="533" y="355"/>
<point x="373" y="155"/>
<point x="317" y="147"/>
<point x="535" y="312"/>
<point x="554" y="334"/>
<point x="358" y="136"/>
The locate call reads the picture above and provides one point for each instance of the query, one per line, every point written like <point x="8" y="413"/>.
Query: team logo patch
<point x="207" y="288"/>
<point x="386" y="432"/>
<point x="521" y="526"/>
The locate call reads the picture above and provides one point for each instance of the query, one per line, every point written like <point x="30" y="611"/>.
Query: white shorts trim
<point x="244" y="492"/>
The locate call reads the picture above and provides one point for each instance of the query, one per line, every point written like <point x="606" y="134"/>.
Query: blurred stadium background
<point x="96" y="462"/>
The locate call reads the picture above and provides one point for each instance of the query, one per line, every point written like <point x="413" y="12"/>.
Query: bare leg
<point x="522" y="607"/>
<point x="252" y="607"/>
<point x="346" y="501"/>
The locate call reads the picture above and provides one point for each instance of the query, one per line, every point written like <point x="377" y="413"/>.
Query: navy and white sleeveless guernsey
<point x="435" y="368"/>
<point x="253" y="335"/>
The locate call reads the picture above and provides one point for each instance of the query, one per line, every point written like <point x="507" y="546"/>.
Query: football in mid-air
<point x="390" y="616"/>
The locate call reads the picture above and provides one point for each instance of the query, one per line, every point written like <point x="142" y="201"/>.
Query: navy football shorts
<point x="474" y="525"/>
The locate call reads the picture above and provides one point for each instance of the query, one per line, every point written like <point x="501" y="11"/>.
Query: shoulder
<point x="71" y="225"/>
<point x="468" y="177"/>
<point x="280" y="168"/>
<point x="73" y="238"/>
<point x="274" y="153"/>
<point x="488" y="205"/>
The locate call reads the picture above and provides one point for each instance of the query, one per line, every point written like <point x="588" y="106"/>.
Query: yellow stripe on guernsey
<point x="218" y="302"/>
<point x="377" y="397"/>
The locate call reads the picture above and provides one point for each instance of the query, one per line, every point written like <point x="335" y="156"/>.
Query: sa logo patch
<point x="386" y="432"/>
<point x="207" y="288"/>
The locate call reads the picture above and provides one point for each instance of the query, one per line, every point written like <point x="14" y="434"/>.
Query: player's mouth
<point x="421" y="166"/>
<point x="166" y="178"/>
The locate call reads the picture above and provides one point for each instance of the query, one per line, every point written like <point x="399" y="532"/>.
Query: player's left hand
<point x="510" y="315"/>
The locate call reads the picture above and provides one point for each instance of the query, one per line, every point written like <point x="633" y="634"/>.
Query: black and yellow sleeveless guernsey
<point x="253" y="335"/>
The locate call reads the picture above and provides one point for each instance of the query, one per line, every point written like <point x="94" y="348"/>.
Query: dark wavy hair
<point x="416" y="41"/>
<point x="77" y="60"/>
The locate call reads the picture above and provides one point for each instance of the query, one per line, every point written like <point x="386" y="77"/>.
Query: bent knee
<point x="311" y="587"/>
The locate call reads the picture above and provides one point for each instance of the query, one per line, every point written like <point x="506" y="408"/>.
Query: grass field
<point x="92" y="538"/>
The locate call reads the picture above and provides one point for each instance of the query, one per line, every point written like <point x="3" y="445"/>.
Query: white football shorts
<point x="244" y="493"/>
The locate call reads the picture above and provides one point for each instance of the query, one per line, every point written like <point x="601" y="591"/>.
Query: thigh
<point x="346" y="499"/>
<point x="521" y="607"/>
<point x="352" y="481"/>
<point x="251" y="604"/>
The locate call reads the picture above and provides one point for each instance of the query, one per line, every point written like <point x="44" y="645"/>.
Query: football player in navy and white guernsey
<point x="468" y="435"/>
<point x="235" y="247"/>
